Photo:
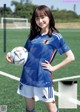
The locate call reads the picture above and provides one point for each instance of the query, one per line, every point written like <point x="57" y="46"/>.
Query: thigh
<point x="30" y="103"/>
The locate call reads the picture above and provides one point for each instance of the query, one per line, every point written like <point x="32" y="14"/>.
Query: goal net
<point x="15" y="23"/>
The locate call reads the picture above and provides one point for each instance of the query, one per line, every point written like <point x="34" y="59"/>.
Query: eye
<point x="37" y="18"/>
<point x="40" y="17"/>
<point x="43" y="16"/>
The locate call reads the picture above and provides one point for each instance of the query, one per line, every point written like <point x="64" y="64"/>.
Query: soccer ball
<point x="19" y="55"/>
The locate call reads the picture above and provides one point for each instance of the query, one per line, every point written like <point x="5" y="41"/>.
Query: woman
<point x="43" y="43"/>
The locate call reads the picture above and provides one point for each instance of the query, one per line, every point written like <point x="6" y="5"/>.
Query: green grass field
<point x="8" y="87"/>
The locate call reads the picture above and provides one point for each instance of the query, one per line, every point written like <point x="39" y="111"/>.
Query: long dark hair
<point x="35" y="29"/>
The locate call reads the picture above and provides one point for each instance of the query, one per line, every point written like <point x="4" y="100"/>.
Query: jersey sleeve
<point x="60" y="44"/>
<point x="27" y="45"/>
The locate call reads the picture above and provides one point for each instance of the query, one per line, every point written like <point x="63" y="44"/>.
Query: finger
<point x="8" y="57"/>
<point x="44" y="64"/>
<point x="46" y="61"/>
<point x="45" y="68"/>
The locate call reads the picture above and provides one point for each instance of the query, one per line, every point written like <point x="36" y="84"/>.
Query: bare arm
<point x="67" y="60"/>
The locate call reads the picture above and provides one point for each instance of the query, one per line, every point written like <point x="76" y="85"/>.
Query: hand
<point x="47" y="66"/>
<point x="9" y="58"/>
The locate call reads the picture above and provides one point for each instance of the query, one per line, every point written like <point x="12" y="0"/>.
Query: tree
<point x="52" y="7"/>
<point x="23" y="10"/>
<point x="25" y="1"/>
<point x="74" y="7"/>
<point x="64" y="15"/>
<point x="14" y="3"/>
<point x="8" y="11"/>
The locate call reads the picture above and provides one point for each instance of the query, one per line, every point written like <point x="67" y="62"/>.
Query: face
<point x="42" y="21"/>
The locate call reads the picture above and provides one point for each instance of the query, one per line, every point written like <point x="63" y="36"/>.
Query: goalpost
<point x="12" y="23"/>
<point x="15" y="23"/>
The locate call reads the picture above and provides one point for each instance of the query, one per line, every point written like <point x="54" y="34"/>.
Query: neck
<point x="44" y="31"/>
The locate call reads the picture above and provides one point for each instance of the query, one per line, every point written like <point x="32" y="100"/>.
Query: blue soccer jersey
<point x="41" y="48"/>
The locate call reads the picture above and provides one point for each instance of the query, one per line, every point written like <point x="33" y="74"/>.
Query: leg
<point x="51" y="106"/>
<point x="30" y="105"/>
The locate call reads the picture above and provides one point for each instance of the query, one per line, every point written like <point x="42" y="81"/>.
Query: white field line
<point x="9" y="75"/>
<point x="55" y="80"/>
<point x="68" y="98"/>
<point x="74" y="101"/>
<point x="66" y="78"/>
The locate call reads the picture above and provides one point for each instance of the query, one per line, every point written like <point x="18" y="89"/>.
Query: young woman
<point x="43" y="43"/>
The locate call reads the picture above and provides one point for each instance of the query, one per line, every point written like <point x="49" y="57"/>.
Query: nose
<point x="40" y="20"/>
